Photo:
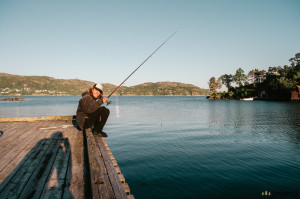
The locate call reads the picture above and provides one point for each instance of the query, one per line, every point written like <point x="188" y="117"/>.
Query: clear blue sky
<point x="104" y="41"/>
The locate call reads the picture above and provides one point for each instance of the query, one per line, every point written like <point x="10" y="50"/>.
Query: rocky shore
<point x="13" y="99"/>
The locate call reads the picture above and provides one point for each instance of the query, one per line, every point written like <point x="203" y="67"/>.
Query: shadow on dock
<point x="50" y="157"/>
<point x="44" y="172"/>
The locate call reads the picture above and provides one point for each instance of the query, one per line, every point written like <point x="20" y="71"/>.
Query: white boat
<point x="247" y="99"/>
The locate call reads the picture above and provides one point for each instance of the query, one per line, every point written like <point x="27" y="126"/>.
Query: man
<point x="90" y="112"/>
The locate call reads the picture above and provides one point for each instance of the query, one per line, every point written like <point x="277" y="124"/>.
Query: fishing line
<point x="139" y="66"/>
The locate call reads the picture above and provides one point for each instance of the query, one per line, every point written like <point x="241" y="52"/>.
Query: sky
<point x="104" y="41"/>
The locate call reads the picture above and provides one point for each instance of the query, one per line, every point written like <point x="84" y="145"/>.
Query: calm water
<point x="190" y="147"/>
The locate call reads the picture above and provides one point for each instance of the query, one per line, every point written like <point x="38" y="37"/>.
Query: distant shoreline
<point x="17" y="85"/>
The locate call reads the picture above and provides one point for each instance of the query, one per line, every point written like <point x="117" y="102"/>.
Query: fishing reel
<point x="108" y="103"/>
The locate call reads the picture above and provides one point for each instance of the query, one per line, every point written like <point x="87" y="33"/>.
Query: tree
<point x="214" y="84"/>
<point x="262" y="75"/>
<point x="295" y="61"/>
<point x="240" y="78"/>
<point x="257" y="76"/>
<point x="251" y="77"/>
<point x="226" y="80"/>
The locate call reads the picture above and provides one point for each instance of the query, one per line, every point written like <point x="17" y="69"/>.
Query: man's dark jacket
<point x="87" y="104"/>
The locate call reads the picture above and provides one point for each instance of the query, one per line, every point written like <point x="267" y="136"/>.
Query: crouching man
<point x="90" y="112"/>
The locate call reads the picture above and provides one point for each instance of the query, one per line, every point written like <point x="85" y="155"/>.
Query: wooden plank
<point x="41" y="118"/>
<point x="50" y="132"/>
<point x="75" y="171"/>
<point x="126" y="188"/>
<point x="118" y="170"/>
<point x="100" y="181"/>
<point x="95" y="176"/>
<point x="114" y="162"/>
<point x="68" y="134"/>
<point x="73" y="183"/>
<point x="111" y="157"/>
<point x="47" y="161"/>
<point x="11" y="138"/>
<point x="39" y="177"/>
<point x="5" y="128"/>
<point x="121" y="177"/>
<point x="113" y="176"/>
<point x="130" y="197"/>
<point x="17" y="159"/>
<point x="18" y="140"/>
<point x="13" y="155"/>
<point x="53" y="172"/>
<point x="55" y="185"/>
<point x="11" y="133"/>
<point x="35" y="159"/>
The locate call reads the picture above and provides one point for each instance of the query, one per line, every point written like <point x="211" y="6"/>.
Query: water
<point x="39" y="106"/>
<point x="190" y="147"/>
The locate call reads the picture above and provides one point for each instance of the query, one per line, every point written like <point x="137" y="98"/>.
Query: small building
<point x="295" y="93"/>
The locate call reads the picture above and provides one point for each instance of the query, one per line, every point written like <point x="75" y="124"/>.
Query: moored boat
<point x="247" y="99"/>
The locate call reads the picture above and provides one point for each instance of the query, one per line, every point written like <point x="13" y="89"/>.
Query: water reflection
<point x="280" y="120"/>
<point x="117" y="107"/>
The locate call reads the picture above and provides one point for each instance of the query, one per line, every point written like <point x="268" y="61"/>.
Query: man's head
<point x="97" y="91"/>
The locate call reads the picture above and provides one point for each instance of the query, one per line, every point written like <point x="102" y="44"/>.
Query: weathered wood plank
<point x="15" y="139"/>
<point x="75" y="175"/>
<point x="115" y="164"/>
<point x="33" y="119"/>
<point x="118" y="170"/>
<point x="35" y="159"/>
<point x="113" y="176"/>
<point x="51" y="124"/>
<point x="44" y="159"/>
<point x="130" y="197"/>
<point x="100" y="181"/>
<point x="40" y="176"/>
<point x="93" y="166"/>
<point x="12" y="133"/>
<point x="19" y="157"/>
<point x="126" y="188"/>
<point x="5" y="128"/>
<point x="49" y="180"/>
<point x="56" y="182"/>
<point x="19" y="138"/>
<point x="68" y="167"/>
<point x="14" y="156"/>
<point x="121" y="177"/>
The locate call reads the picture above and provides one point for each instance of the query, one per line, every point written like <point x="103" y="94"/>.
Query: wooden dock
<point x="48" y="157"/>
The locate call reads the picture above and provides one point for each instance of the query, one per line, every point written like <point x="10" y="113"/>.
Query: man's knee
<point x="104" y="109"/>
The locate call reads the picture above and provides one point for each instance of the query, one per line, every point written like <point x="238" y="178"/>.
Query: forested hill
<point x="43" y="85"/>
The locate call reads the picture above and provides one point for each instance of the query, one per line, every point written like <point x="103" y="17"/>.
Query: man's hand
<point x="104" y="100"/>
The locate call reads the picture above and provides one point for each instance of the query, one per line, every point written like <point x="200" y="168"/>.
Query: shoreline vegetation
<point x="276" y="84"/>
<point x="16" y="85"/>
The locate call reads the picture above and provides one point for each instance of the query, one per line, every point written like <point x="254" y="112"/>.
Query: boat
<point x="247" y="99"/>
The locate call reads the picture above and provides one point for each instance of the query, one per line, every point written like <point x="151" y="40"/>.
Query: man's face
<point x="96" y="93"/>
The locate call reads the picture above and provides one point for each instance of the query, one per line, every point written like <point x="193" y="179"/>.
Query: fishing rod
<point x="139" y="67"/>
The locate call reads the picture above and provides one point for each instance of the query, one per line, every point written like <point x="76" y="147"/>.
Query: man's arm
<point x="89" y="105"/>
<point x="105" y="100"/>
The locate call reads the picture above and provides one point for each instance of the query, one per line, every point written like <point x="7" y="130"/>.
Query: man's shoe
<point x="100" y="133"/>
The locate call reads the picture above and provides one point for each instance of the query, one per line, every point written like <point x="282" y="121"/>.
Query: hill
<point x="164" y="88"/>
<point x="43" y="85"/>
